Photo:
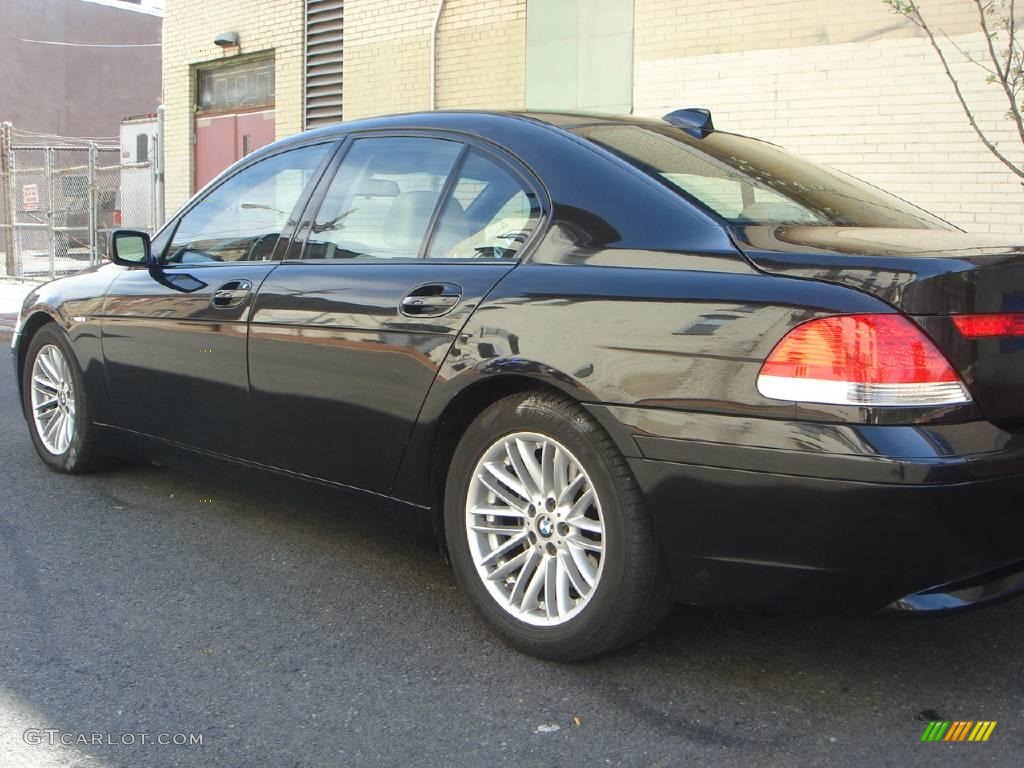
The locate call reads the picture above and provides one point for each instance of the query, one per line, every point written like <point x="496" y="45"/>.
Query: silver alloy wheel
<point x="535" y="530"/>
<point x="53" y="399"/>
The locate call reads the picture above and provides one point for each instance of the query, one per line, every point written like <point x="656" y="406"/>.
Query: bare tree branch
<point x="967" y="55"/>
<point x="913" y="9"/>
<point x="1003" y="81"/>
<point x="1011" y="21"/>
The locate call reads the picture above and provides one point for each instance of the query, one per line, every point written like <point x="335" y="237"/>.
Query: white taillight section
<point x="872" y="360"/>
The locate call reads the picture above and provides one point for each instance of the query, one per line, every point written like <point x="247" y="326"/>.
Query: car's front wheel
<point x="54" y="399"/>
<point x="548" y="533"/>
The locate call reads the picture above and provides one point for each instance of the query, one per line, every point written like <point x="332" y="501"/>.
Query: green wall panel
<point x="579" y="55"/>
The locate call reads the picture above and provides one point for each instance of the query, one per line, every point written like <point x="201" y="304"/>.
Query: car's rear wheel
<point x="548" y="533"/>
<point x="55" y="405"/>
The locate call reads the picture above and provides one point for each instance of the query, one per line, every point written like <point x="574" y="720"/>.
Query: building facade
<point x="75" y="68"/>
<point x="857" y="88"/>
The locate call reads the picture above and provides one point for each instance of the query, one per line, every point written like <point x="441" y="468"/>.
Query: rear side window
<point x="746" y="181"/>
<point x="380" y="202"/>
<point x="489" y="215"/>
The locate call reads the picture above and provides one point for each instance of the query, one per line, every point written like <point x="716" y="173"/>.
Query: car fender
<point x="76" y="305"/>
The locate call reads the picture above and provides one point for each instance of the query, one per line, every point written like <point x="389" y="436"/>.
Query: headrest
<point x="407" y="220"/>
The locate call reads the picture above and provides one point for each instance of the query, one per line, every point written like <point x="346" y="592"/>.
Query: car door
<point x="401" y="244"/>
<point x="174" y="333"/>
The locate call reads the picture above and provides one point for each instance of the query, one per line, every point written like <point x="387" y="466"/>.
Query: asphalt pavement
<point x="287" y="626"/>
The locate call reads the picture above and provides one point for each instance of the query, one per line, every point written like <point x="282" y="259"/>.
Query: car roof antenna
<point x="696" y="122"/>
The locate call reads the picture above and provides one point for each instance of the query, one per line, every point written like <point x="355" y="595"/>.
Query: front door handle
<point x="431" y="300"/>
<point x="232" y="294"/>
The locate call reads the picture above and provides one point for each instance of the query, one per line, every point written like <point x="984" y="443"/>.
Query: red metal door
<point x="223" y="139"/>
<point x="253" y="130"/>
<point x="215" y="147"/>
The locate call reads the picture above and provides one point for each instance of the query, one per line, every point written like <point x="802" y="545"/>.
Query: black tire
<point x="633" y="593"/>
<point x="82" y="454"/>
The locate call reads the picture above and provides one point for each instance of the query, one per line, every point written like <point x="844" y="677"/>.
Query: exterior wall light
<point x="226" y="40"/>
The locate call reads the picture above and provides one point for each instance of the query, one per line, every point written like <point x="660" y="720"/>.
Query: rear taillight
<point x="982" y="326"/>
<point x="860" y="360"/>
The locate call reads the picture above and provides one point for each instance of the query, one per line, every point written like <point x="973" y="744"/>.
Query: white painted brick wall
<point x="880" y="108"/>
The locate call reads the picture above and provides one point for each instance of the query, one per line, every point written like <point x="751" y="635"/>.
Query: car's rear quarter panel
<point x="689" y="340"/>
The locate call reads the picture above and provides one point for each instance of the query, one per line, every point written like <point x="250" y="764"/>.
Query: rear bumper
<point x="773" y="515"/>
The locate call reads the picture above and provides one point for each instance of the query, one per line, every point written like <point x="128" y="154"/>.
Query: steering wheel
<point x="490" y="252"/>
<point x="253" y="252"/>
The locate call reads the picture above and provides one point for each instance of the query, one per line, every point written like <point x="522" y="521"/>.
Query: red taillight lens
<point x="860" y="360"/>
<point x="117" y="217"/>
<point x="982" y="326"/>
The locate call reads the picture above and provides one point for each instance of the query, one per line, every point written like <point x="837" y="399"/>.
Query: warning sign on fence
<point x="30" y="197"/>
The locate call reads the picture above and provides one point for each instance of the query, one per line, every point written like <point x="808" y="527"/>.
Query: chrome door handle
<point x="232" y="294"/>
<point x="428" y="302"/>
<point x="431" y="300"/>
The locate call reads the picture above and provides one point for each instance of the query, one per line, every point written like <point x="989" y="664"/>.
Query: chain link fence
<point x="60" y="202"/>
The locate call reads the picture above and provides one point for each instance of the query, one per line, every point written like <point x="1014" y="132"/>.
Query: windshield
<point x="746" y="181"/>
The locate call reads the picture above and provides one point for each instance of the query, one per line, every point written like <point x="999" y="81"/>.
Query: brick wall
<point x="481" y="48"/>
<point x="189" y="29"/>
<point x="854" y="87"/>
<point x="387" y="54"/>
<point x="668" y="28"/>
<point x="858" y="89"/>
<point x="481" y="54"/>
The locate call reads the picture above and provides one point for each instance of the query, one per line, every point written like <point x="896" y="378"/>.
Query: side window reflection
<point x="242" y="218"/>
<point x="380" y="202"/>
<point x="489" y="215"/>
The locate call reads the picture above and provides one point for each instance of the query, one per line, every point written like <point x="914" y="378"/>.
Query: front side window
<point x="747" y="181"/>
<point x="242" y="218"/>
<point x="381" y="200"/>
<point x="489" y="215"/>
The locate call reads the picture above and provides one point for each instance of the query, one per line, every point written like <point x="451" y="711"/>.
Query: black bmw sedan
<point x="621" y="362"/>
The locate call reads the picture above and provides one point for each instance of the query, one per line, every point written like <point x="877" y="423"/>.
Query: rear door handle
<point x="232" y="294"/>
<point x="431" y="300"/>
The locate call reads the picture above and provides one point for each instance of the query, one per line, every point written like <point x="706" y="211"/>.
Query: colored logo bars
<point x="958" y="730"/>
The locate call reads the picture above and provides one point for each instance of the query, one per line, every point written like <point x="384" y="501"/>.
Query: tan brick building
<point x="264" y="27"/>
<point x="846" y="84"/>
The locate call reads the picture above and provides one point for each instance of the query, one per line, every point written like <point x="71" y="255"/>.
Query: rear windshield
<point x="746" y="181"/>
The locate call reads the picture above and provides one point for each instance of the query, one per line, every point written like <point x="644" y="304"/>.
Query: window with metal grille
<point x="236" y="86"/>
<point x="324" y="53"/>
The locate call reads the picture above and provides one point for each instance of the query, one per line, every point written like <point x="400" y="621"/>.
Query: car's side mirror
<point x="129" y="248"/>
